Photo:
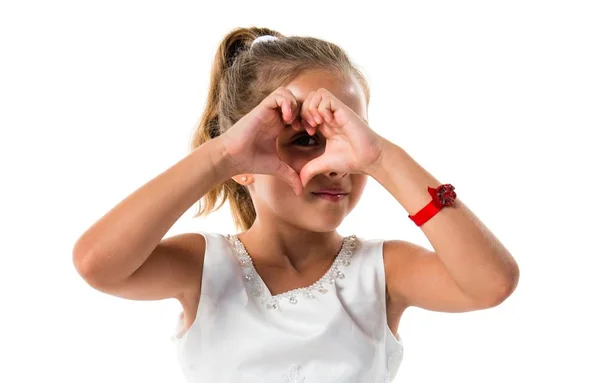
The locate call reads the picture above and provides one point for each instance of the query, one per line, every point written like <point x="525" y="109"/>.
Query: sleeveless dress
<point x="332" y="331"/>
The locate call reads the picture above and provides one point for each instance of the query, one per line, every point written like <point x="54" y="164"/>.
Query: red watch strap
<point x="447" y="195"/>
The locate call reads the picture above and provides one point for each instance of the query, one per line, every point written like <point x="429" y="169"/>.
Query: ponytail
<point x="210" y="126"/>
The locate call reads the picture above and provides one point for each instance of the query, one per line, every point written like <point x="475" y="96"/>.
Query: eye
<point x="302" y="139"/>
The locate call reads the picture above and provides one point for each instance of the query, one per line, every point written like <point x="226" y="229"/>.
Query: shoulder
<point x="200" y="243"/>
<point x="208" y="249"/>
<point x="400" y="259"/>
<point x="397" y="252"/>
<point x="192" y="244"/>
<point x="394" y="252"/>
<point x="187" y="253"/>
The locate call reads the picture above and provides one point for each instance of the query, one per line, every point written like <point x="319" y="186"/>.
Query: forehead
<point x="346" y="88"/>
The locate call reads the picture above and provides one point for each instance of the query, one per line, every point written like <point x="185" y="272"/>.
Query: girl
<point x="285" y="140"/>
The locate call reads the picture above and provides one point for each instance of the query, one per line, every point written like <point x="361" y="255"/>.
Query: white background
<point x="501" y="99"/>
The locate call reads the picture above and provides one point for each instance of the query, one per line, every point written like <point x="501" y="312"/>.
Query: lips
<point x="330" y="192"/>
<point x="330" y="197"/>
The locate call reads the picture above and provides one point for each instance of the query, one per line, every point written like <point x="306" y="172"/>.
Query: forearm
<point x="476" y="259"/>
<point x="121" y="241"/>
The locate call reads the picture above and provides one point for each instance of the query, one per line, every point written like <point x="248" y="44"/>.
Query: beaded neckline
<point x="258" y="287"/>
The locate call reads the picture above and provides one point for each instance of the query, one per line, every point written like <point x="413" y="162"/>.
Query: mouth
<point x="332" y="197"/>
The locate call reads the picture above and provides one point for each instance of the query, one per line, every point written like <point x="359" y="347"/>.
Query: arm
<point x="469" y="269"/>
<point x="124" y="253"/>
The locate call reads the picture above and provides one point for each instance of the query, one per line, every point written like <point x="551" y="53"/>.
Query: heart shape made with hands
<point x="351" y="145"/>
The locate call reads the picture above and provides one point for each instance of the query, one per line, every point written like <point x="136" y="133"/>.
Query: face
<point x="275" y="199"/>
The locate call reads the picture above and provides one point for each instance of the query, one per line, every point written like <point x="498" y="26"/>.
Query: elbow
<point x="86" y="265"/>
<point x="512" y="280"/>
<point x="80" y="257"/>
<point x="85" y="261"/>
<point x="507" y="287"/>
<point x="82" y="266"/>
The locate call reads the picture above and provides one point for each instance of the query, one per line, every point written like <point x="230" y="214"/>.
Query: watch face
<point x="446" y="195"/>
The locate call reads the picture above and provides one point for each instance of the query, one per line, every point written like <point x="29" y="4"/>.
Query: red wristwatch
<point x="443" y="196"/>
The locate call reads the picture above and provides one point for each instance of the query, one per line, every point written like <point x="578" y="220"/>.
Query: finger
<point x="297" y="125"/>
<point x="289" y="175"/>
<point x="292" y="103"/>
<point x="313" y="107"/>
<point x="283" y="100"/>
<point x="287" y="109"/>
<point x="324" y="110"/>
<point x="282" y="108"/>
<point x="310" y="169"/>
<point x="278" y="103"/>
<point x="276" y="99"/>
<point x="306" y="113"/>
<point x="306" y="126"/>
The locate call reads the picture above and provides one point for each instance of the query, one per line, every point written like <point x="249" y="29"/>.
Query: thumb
<point x="312" y="168"/>
<point x="289" y="175"/>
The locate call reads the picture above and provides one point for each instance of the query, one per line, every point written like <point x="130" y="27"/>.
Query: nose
<point x="335" y="175"/>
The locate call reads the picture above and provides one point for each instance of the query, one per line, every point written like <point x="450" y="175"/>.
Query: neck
<point x="286" y="245"/>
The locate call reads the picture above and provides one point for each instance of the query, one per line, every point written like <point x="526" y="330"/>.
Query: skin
<point x="294" y="239"/>
<point x="296" y="235"/>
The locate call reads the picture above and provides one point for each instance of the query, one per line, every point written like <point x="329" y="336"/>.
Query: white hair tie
<point x="263" y="38"/>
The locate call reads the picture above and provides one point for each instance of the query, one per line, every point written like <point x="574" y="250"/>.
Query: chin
<point x="321" y="224"/>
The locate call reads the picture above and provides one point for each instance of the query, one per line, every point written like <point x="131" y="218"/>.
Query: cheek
<point x="359" y="182"/>
<point x="273" y="188"/>
<point x="363" y="181"/>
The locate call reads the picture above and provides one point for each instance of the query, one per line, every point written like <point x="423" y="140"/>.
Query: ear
<point x="243" y="179"/>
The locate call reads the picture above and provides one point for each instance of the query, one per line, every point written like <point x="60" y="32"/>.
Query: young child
<point x="285" y="140"/>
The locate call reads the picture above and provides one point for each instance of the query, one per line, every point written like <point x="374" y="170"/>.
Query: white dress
<point x="333" y="331"/>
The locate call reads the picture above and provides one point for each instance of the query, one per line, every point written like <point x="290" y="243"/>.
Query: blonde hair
<point x="241" y="78"/>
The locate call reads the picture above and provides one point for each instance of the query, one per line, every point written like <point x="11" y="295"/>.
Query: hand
<point x="351" y="146"/>
<point x="251" y="142"/>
